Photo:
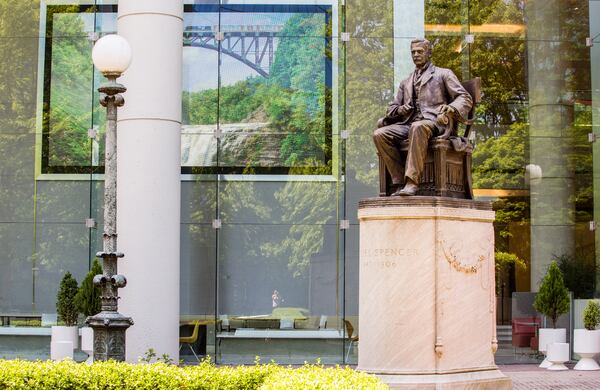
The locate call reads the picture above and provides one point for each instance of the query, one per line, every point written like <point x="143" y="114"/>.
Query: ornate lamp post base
<point x="109" y="335"/>
<point x="109" y="325"/>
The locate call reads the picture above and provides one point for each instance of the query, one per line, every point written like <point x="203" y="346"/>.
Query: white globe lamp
<point x="112" y="55"/>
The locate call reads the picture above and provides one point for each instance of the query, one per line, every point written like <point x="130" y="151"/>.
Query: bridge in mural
<point x="253" y="45"/>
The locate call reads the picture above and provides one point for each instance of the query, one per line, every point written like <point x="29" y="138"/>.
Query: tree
<point x="65" y="300"/>
<point x="553" y="298"/>
<point x="579" y="273"/>
<point x="88" y="296"/>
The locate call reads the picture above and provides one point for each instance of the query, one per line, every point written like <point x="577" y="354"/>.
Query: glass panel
<point x="277" y="273"/>
<point x="198" y="287"/>
<point x="55" y="258"/>
<point x="279" y="276"/>
<point x="18" y="66"/>
<point x="198" y="263"/>
<point x="594" y="32"/>
<point x="532" y="157"/>
<point x="16" y="274"/>
<point x="368" y="86"/>
<point x="199" y="145"/>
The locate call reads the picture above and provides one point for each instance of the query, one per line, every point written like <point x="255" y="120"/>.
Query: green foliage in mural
<point x="293" y="101"/>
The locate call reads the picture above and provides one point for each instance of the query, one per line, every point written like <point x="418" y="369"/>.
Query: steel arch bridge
<point x="251" y="45"/>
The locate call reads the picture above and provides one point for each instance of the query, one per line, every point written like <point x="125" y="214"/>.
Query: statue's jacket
<point x="438" y="86"/>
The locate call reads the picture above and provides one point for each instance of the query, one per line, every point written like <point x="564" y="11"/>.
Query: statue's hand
<point x="445" y="120"/>
<point x="447" y="109"/>
<point x="405" y="109"/>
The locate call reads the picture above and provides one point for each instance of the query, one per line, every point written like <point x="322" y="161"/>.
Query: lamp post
<point x="111" y="56"/>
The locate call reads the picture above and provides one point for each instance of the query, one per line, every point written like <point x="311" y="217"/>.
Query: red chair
<point x="524" y="330"/>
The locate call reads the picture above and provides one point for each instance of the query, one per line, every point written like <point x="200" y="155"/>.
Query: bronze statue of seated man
<point x="427" y="104"/>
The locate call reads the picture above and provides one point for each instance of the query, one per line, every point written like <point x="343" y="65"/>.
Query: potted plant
<point x="587" y="341"/>
<point x="552" y="300"/>
<point x="67" y="313"/>
<point x="88" y="302"/>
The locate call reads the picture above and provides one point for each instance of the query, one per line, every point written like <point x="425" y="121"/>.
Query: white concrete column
<point x="149" y="155"/>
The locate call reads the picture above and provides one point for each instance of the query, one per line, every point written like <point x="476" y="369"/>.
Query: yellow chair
<point x="353" y="339"/>
<point x="190" y="340"/>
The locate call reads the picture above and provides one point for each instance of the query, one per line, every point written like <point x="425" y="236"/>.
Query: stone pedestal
<point x="427" y="295"/>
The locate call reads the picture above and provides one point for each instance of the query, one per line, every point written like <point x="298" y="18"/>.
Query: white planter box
<point x="558" y="354"/>
<point x="66" y="333"/>
<point x="586" y="344"/>
<point x="60" y="350"/>
<point x="550" y="336"/>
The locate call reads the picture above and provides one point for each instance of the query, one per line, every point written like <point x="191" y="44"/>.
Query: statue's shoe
<point x="408" y="190"/>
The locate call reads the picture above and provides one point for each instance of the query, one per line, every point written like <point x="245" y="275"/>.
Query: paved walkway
<point x="529" y="377"/>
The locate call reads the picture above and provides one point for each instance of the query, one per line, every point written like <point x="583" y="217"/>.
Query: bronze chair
<point x="447" y="171"/>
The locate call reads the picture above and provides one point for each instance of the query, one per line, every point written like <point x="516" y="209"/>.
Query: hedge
<point x="20" y="374"/>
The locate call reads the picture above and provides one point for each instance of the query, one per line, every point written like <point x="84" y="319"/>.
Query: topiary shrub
<point x="65" y="300"/>
<point x="591" y="315"/>
<point x="553" y="298"/>
<point x="88" y="296"/>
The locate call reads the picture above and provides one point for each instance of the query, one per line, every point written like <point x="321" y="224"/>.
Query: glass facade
<point x="278" y="113"/>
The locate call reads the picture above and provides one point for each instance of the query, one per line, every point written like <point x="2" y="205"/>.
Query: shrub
<point x="19" y="374"/>
<point x="311" y="377"/>
<point x="591" y="315"/>
<point x="553" y="298"/>
<point x="65" y="300"/>
<point x="88" y="296"/>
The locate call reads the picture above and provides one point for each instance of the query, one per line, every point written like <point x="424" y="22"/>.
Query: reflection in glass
<point x="70" y="90"/>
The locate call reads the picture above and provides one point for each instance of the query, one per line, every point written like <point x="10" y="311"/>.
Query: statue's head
<point x="420" y="50"/>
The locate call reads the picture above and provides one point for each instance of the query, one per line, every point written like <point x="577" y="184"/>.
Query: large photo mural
<point x="257" y="89"/>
